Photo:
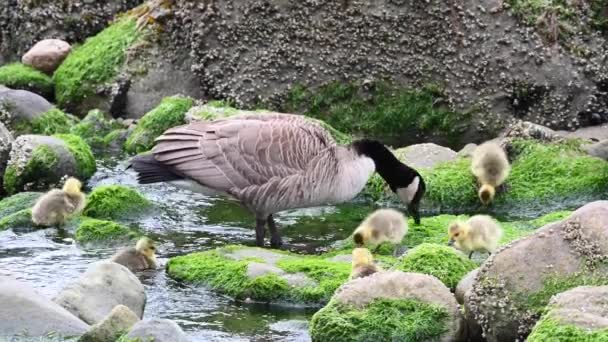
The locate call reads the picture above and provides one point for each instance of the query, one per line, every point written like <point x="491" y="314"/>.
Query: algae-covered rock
<point x="19" y="107"/>
<point x="94" y="127"/>
<point x="19" y="219"/>
<point x="100" y="289"/>
<point x="18" y="202"/>
<point x="262" y="275"/>
<point x="24" y="77"/>
<point x="389" y="306"/>
<point x="521" y="278"/>
<point x="39" y="162"/>
<point x="100" y="231"/>
<point x="441" y="261"/>
<point x="51" y="122"/>
<point x="169" y="113"/>
<point x="580" y="314"/>
<point x="115" y="202"/>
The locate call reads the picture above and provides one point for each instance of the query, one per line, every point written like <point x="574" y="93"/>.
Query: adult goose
<point x="273" y="162"/>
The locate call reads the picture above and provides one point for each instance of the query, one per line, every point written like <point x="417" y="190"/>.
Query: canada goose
<point x="273" y="162"/>
<point x="491" y="167"/>
<point x="480" y="233"/>
<point x="383" y="225"/>
<point x="363" y="264"/>
<point x="138" y="258"/>
<point x="54" y="207"/>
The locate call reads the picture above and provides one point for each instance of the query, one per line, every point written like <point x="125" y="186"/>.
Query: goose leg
<point x="275" y="237"/>
<point x="260" y="231"/>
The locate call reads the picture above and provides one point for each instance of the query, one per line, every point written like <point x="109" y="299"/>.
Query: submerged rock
<point x="24" y="310"/>
<point x="390" y="306"/>
<point x="39" y="162"/>
<point x="579" y="314"/>
<point x="157" y="330"/>
<point x="104" y="285"/>
<point x="47" y="54"/>
<point x="256" y="274"/>
<point x="117" y="323"/>
<point x="515" y="284"/>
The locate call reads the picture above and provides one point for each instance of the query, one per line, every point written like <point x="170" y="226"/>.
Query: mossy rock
<point x="85" y="161"/>
<point x="111" y="202"/>
<point x="94" y="63"/>
<point x="92" y="230"/>
<point x="443" y="262"/>
<point x="262" y="275"/>
<point x="18" y="202"/>
<point x="51" y="122"/>
<point x="94" y="128"/>
<point x="19" y="219"/>
<point x="169" y="113"/>
<point x="20" y="76"/>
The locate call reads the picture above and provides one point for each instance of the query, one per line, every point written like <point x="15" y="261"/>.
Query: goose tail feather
<point x="149" y="170"/>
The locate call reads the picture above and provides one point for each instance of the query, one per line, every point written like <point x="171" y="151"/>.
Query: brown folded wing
<point x="243" y="150"/>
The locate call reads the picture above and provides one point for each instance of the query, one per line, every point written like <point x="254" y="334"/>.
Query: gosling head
<point x="361" y="257"/>
<point x="72" y="186"/>
<point x="457" y="231"/>
<point x="363" y="234"/>
<point x="147" y="248"/>
<point x="486" y="194"/>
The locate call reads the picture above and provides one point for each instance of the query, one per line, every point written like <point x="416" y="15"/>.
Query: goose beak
<point x="451" y="242"/>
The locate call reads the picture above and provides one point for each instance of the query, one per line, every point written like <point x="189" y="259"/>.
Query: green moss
<point x="113" y="136"/>
<point x="20" y="76"/>
<point x="94" y="127"/>
<point x="18" y="202"/>
<point x="169" y="113"/>
<point x="229" y="276"/>
<point x="94" y="63"/>
<point x="380" y="320"/>
<point x="39" y="167"/>
<point x="94" y="230"/>
<point x="599" y="10"/>
<point x="386" y="113"/>
<point x="22" y="218"/>
<point x="530" y="10"/>
<point x="443" y="262"/>
<point x="85" y="161"/>
<point x="550" y="329"/>
<point x="112" y="202"/>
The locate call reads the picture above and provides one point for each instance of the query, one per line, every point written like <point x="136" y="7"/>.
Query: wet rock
<point x="158" y="330"/>
<point x="21" y="106"/>
<point x="368" y="295"/>
<point x="515" y="284"/>
<point x="579" y="314"/>
<point x="599" y="149"/>
<point x="23" y="309"/>
<point x="260" y="275"/>
<point x="104" y="285"/>
<point x="118" y="322"/>
<point x="47" y="54"/>
<point x="39" y="162"/>
<point x="425" y="155"/>
<point x="464" y="285"/>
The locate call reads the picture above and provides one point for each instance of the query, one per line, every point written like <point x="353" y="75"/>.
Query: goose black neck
<point x="394" y="172"/>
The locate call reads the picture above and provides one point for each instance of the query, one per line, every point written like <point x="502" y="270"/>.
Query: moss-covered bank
<point x="100" y="231"/>
<point x="110" y="202"/>
<point x="380" y="320"/>
<point x="18" y="202"/>
<point x="229" y="271"/>
<point x="170" y="112"/>
<point x="20" y="76"/>
<point x="548" y="329"/>
<point x="51" y="122"/>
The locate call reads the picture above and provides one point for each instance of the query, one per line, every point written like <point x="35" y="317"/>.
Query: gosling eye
<point x="152" y="248"/>
<point x="456" y="235"/>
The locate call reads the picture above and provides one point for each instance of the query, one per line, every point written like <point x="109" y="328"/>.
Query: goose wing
<point x="241" y="151"/>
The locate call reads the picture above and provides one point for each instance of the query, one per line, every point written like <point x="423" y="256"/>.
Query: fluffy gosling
<point x="491" y="167"/>
<point x="54" y="207"/>
<point x="383" y="225"/>
<point x="479" y="233"/>
<point x="138" y="258"/>
<point x="363" y="264"/>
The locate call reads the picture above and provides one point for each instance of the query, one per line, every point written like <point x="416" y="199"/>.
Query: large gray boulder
<point x="104" y="285"/>
<point x="23" y="309"/>
<point x="598" y="149"/>
<point x="21" y="106"/>
<point x="158" y="330"/>
<point x="116" y="324"/>
<point x="515" y="283"/>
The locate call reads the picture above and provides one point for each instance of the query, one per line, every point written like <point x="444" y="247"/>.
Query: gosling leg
<point x="260" y="231"/>
<point x="275" y="237"/>
<point x="470" y="255"/>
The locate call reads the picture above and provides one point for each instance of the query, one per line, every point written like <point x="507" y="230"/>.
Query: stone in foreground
<point x="157" y="330"/>
<point x="116" y="324"/>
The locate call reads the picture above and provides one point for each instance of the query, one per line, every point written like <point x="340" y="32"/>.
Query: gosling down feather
<point x="480" y="233"/>
<point x="54" y="207"/>
<point x="273" y="162"/>
<point x="383" y="225"/>
<point x="363" y="264"/>
<point x="491" y="167"/>
<point x="138" y="258"/>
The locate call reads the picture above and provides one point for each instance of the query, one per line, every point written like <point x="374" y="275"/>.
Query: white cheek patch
<point x="407" y="194"/>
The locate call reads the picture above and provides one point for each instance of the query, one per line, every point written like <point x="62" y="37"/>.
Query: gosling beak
<point x="451" y="242"/>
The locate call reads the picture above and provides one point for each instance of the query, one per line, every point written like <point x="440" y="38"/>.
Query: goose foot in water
<point x="260" y="232"/>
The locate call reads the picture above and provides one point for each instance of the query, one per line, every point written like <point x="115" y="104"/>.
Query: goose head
<point x="403" y="180"/>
